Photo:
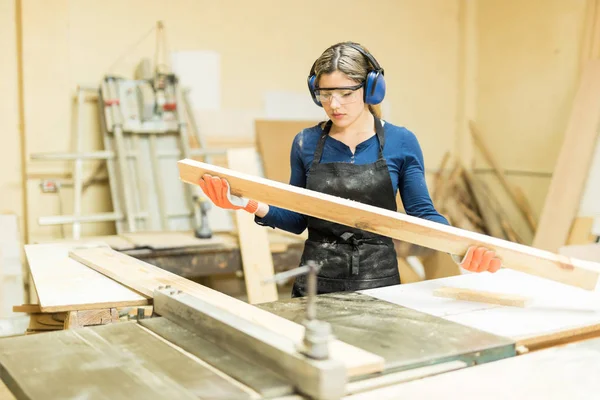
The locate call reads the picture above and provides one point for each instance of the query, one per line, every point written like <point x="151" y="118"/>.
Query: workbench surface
<point x="190" y="257"/>
<point x="555" y="307"/>
<point x="405" y="338"/>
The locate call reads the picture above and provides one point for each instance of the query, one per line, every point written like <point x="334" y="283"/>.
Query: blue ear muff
<point x="374" y="88"/>
<point x="311" y="88"/>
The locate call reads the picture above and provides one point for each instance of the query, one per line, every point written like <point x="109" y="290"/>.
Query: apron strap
<point x="380" y="136"/>
<point x="321" y="144"/>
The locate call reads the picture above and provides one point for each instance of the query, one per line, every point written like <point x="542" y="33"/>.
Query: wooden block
<point x="399" y="226"/>
<point x="145" y="278"/>
<point x="80" y="319"/>
<point x="483" y="296"/>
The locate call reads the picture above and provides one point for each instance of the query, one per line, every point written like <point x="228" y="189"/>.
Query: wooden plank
<point x="63" y="284"/>
<point x="116" y="361"/>
<point x="320" y="379"/>
<point x="483" y="296"/>
<point x="581" y="231"/>
<point x="146" y="278"/>
<point x="564" y="372"/>
<point x="257" y="261"/>
<point x="261" y="380"/>
<point x="399" y="226"/>
<point x="573" y="163"/>
<point x="27" y="308"/>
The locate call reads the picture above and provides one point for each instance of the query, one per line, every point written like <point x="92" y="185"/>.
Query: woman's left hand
<point x="480" y="259"/>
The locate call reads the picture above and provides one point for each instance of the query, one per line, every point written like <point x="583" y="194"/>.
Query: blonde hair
<point x="346" y="59"/>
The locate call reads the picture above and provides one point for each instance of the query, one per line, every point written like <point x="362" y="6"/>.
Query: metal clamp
<point x="317" y="334"/>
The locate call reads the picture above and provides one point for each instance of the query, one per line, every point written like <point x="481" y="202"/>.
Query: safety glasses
<point x="343" y="95"/>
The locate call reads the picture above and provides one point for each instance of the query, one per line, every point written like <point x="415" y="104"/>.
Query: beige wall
<point x="264" y="45"/>
<point x="528" y="66"/>
<point x="10" y="160"/>
<point x="512" y="65"/>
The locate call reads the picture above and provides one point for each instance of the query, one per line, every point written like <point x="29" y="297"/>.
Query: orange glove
<point x="480" y="259"/>
<point x="218" y="191"/>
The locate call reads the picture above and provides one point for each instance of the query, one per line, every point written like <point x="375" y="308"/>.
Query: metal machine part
<point x="317" y="335"/>
<point x="145" y="131"/>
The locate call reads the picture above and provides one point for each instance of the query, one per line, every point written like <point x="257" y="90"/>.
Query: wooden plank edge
<point x="481" y="296"/>
<point x="434" y="235"/>
<point x="95" y="306"/>
<point x="559" y="337"/>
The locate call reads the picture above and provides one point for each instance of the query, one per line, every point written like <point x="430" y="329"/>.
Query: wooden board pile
<point x="467" y="202"/>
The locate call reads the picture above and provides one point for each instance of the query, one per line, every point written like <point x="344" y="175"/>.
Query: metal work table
<point x="404" y="337"/>
<point x="108" y="356"/>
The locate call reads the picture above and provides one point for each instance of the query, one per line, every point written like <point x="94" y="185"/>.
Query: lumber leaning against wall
<point x="569" y="176"/>
<point x="397" y="225"/>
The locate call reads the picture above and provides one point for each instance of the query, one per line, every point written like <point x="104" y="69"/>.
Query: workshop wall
<point x="510" y="65"/>
<point x="10" y="160"/>
<point x="264" y="45"/>
<point x="528" y="65"/>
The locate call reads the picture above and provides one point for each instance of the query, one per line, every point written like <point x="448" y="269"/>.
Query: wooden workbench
<point x="190" y="257"/>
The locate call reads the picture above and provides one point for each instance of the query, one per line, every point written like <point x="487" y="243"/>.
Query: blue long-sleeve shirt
<point x="401" y="151"/>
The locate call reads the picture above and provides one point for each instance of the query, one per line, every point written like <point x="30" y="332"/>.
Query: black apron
<point x="352" y="259"/>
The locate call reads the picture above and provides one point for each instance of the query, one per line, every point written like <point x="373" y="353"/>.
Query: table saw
<point x="203" y="344"/>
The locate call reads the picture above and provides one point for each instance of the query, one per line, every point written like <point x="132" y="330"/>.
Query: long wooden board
<point x="145" y="277"/>
<point x="571" y="171"/>
<point x="63" y="284"/>
<point x="397" y="225"/>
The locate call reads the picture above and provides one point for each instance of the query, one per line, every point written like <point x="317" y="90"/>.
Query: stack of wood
<point x="467" y="202"/>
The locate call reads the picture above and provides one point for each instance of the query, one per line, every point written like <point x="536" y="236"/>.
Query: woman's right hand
<point x="219" y="192"/>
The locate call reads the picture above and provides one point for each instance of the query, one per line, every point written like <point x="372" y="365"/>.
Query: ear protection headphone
<point x="374" y="88"/>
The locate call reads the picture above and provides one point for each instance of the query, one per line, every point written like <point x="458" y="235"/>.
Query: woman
<point x="354" y="155"/>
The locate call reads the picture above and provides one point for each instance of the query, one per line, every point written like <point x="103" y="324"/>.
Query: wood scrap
<point x="416" y="230"/>
<point x="80" y="319"/>
<point x="483" y="296"/>
<point x="514" y="192"/>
